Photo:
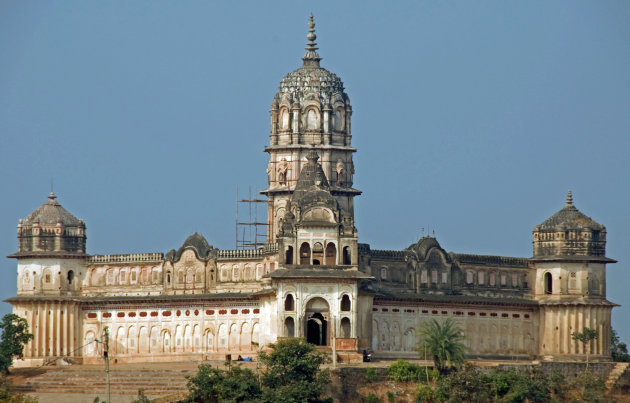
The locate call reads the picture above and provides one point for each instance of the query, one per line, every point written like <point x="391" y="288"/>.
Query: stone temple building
<point x="312" y="278"/>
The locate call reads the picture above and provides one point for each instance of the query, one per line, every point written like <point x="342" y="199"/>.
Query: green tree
<point x="465" y="385"/>
<point x="443" y="341"/>
<point x="216" y="385"/>
<point x="587" y="387"/>
<point x="14" y="336"/>
<point x="586" y="336"/>
<point x="618" y="349"/>
<point x="292" y="372"/>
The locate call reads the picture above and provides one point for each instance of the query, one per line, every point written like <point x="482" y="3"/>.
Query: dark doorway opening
<point x="289" y="255"/>
<point x="305" y="253"/>
<point x="318" y="253"/>
<point x="548" y="284"/>
<point x="346" y="255"/>
<point x="316" y="331"/>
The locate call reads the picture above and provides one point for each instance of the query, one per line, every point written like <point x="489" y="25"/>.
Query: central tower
<point x="310" y="113"/>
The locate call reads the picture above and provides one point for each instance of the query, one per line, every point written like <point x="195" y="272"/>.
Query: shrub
<point x="370" y="374"/>
<point x="404" y="371"/>
<point x="426" y="394"/>
<point x="372" y="398"/>
<point x="587" y="387"/>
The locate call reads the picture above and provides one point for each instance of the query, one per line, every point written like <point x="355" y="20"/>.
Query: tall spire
<point x="311" y="58"/>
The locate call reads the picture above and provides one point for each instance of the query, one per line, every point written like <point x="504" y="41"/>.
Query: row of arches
<point x="181" y="339"/>
<point x="289" y="303"/>
<point x="318" y="255"/>
<point x="480" y="336"/>
<point x="315" y="321"/>
<point x="237" y="273"/>
<point x="46" y="281"/>
<point x="311" y="118"/>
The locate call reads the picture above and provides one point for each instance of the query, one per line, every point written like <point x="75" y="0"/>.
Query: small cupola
<point x="50" y="230"/>
<point x="569" y="233"/>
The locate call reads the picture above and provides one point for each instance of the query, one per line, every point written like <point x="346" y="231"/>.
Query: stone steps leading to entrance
<point x="73" y="380"/>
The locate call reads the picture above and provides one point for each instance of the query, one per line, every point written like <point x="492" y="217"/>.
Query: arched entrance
<point x="548" y="284"/>
<point x="305" y="253"/>
<point x="289" y="255"/>
<point x="318" y="254"/>
<point x="316" y="317"/>
<point x="331" y="254"/>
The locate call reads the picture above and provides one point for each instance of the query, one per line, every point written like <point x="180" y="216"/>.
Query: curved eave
<point x="52" y="254"/>
<point x="331" y="147"/>
<point x="334" y="190"/>
<point x="121" y="300"/>
<point x="455" y="299"/>
<point x="590" y="259"/>
<point x="568" y="301"/>
<point x="318" y="274"/>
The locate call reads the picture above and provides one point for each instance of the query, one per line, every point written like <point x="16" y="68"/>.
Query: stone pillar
<point x="71" y="318"/>
<point x="58" y="328"/>
<point x="64" y="328"/>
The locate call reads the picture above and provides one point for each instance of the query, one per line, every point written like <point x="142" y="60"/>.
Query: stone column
<point x="566" y="333"/>
<point x="63" y="325"/>
<point x="58" y="328"/>
<point x="71" y="318"/>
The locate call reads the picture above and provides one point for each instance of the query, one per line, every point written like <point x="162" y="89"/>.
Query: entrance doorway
<point x="317" y="311"/>
<point x="316" y="330"/>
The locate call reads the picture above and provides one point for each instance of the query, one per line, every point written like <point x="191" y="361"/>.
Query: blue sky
<point x="471" y="119"/>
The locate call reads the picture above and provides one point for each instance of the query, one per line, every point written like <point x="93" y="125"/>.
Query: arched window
<point x="70" y="276"/>
<point x="339" y="119"/>
<point x="345" y="328"/>
<point x="331" y="254"/>
<point x="168" y="277"/>
<point x="284" y="119"/>
<point x="289" y="255"/>
<point x="346" y="255"/>
<point x="345" y="303"/>
<point x="289" y="327"/>
<point x="312" y="122"/>
<point x="289" y="303"/>
<point x="318" y="253"/>
<point x="548" y="284"/>
<point x="305" y="253"/>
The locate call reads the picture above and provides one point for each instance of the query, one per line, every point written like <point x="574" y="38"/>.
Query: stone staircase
<point x="92" y="381"/>
<point x="616" y="373"/>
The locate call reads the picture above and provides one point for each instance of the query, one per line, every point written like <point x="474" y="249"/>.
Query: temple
<point x="312" y="279"/>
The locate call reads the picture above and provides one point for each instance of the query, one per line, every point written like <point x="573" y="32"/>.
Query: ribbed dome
<point x="197" y="243"/>
<point x="423" y="246"/>
<point x="569" y="218"/>
<point x="51" y="213"/>
<point x="311" y="77"/>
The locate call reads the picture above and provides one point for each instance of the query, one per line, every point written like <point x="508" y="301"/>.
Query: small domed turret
<point x="51" y="229"/>
<point x="569" y="233"/>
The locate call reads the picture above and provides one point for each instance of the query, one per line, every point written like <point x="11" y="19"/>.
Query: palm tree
<point x="443" y="341"/>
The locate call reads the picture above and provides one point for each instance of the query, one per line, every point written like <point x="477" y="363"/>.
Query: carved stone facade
<point x="312" y="279"/>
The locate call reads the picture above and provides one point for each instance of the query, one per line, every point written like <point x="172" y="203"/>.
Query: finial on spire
<point x="311" y="58"/>
<point x="52" y="196"/>
<point x="311" y="34"/>
<point x="569" y="198"/>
